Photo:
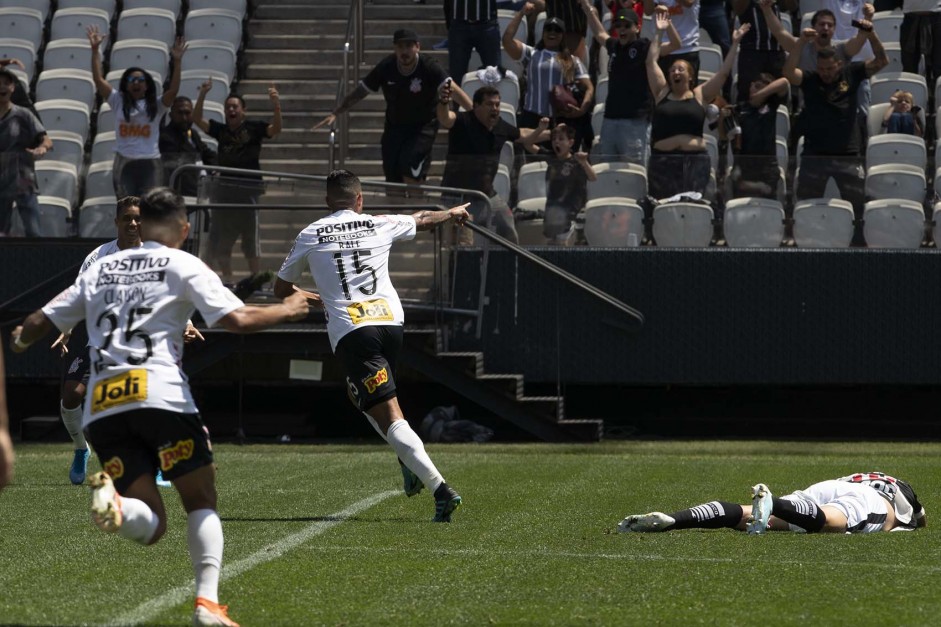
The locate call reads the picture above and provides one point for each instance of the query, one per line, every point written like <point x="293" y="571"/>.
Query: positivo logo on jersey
<point x="380" y="378"/>
<point x="172" y="455"/>
<point x="127" y="387"/>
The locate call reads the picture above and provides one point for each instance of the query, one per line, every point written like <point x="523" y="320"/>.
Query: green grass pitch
<point x="322" y="535"/>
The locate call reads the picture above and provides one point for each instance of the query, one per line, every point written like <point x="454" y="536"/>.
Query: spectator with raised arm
<point x="545" y="68"/>
<point x="684" y="15"/>
<point x="625" y="128"/>
<point x="901" y="116"/>
<point x="831" y="132"/>
<point x="475" y="139"/>
<point x="240" y="141"/>
<point x="760" y="51"/>
<point x="138" y="107"/>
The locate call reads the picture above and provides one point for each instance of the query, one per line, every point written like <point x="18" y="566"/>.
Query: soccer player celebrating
<point x="864" y="502"/>
<point x="139" y="411"/>
<point x="348" y="256"/>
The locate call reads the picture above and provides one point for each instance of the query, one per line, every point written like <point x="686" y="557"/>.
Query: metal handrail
<point x="487" y="234"/>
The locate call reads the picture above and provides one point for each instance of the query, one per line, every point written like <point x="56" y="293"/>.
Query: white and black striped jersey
<point x="136" y="303"/>
<point x="347" y="254"/>
<point x="898" y="492"/>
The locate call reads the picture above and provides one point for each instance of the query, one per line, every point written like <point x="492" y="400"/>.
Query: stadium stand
<point x="27" y="23"/>
<point x="76" y="85"/>
<point x="108" y="6"/>
<point x="215" y="25"/>
<point x="67" y="54"/>
<point x="73" y="23"/>
<point x="150" y="55"/>
<point x="96" y="216"/>
<point x="21" y="49"/>
<point x="65" y="115"/>
<point x="66" y="146"/>
<point x="156" y="24"/>
<point x="621" y="180"/>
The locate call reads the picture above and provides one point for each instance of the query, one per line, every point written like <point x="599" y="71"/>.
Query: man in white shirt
<point x="139" y="410"/>
<point x="347" y="253"/>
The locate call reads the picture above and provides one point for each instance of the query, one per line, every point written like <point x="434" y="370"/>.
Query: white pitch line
<point x="146" y="611"/>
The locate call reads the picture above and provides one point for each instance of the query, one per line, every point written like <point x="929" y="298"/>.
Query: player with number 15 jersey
<point x="353" y="277"/>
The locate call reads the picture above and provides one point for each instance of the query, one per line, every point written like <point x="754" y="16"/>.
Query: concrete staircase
<point x="297" y="45"/>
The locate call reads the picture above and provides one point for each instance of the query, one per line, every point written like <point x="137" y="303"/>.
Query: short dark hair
<point x="816" y="16"/>
<point x="124" y="203"/>
<point x="569" y="131"/>
<point x="237" y="97"/>
<point x="485" y="92"/>
<point x="162" y="204"/>
<point x="342" y="186"/>
<point x="827" y="53"/>
<point x="180" y="99"/>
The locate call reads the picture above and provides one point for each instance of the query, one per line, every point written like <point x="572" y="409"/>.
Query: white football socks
<point x="204" y="537"/>
<point x="72" y="419"/>
<point x="410" y="449"/>
<point x="139" y="521"/>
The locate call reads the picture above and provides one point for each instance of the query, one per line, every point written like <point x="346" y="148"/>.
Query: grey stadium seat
<point x="65" y="54"/>
<point x="682" y="224"/>
<point x="65" y="115"/>
<point x="214" y="24"/>
<point x="96" y="217"/>
<point x="894" y="223"/>
<point x="753" y="222"/>
<point x="158" y="24"/>
<point x="73" y="23"/>
<point x="67" y="146"/>
<point x="823" y="223"/>
<point x="614" y="222"/>
<point x="72" y="84"/>
<point x="24" y="22"/>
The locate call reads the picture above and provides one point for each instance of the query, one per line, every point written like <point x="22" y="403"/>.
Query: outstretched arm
<point x="95" y="38"/>
<point x="274" y="127"/>
<point x="179" y="48"/>
<point x="513" y="47"/>
<point x="881" y="59"/>
<point x="251" y="318"/>
<point x="198" y="118"/>
<point x="348" y="103"/>
<point x="597" y="28"/>
<point x="427" y="220"/>
<point x="655" y="78"/>
<point x="786" y="40"/>
<point x="711" y="88"/>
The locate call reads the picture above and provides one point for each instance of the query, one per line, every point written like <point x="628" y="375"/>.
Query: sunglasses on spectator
<point x="553" y="29"/>
<point x="136" y="79"/>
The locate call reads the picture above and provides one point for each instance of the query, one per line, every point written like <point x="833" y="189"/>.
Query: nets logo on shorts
<point x="127" y="387"/>
<point x="114" y="467"/>
<point x="380" y="378"/>
<point x="171" y="456"/>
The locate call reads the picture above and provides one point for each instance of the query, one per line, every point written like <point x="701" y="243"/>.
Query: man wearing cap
<point x="410" y="84"/>
<point x="22" y="139"/>
<point x="472" y="25"/>
<point x="625" y="128"/>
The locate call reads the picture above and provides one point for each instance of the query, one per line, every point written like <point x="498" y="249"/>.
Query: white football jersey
<point x="898" y="492"/>
<point x="348" y="257"/>
<point x="102" y="251"/>
<point x="136" y="303"/>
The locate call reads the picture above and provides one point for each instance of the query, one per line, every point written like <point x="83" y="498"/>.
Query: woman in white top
<point x="138" y="108"/>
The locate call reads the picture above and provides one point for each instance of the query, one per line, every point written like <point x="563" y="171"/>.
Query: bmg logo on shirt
<point x="127" y="387"/>
<point x="126" y="129"/>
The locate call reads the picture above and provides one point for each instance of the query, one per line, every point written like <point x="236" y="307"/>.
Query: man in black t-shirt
<point x="830" y="128"/>
<point x="240" y="142"/>
<point x="475" y="139"/>
<point x="625" y="129"/>
<point x="410" y="84"/>
<point x="181" y="145"/>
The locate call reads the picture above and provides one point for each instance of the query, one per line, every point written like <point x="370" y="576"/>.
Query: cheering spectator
<point x="759" y="53"/>
<point x="756" y="166"/>
<point x="566" y="184"/>
<point x="179" y="145"/>
<point x="684" y="14"/>
<point x="901" y="116"/>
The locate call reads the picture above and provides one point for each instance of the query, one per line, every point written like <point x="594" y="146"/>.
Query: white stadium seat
<point x="108" y="6"/>
<point x="896" y="148"/>
<point x="884" y="84"/>
<point x="54" y="215"/>
<point x="710" y="58"/>
<point x="190" y="80"/>
<point x="65" y="115"/>
<point x="158" y="24"/>
<point x="504" y="16"/>
<point x="65" y="54"/>
<point x="21" y="49"/>
<point x="682" y="224"/>
<point x="501" y="183"/>
<point x="239" y="7"/>
<point x="67" y="147"/>
<point x="105" y="120"/>
<point x="214" y="24"/>
<point x="888" y="25"/>
<point x="203" y="54"/>
<point x="894" y="223"/>
<point x="597" y="117"/>
<point x="73" y="23"/>
<point x="622" y="180"/>
<point x="147" y="54"/>
<point x="508" y="87"/>
<point x="102" y="148"/>
<point x="43" y="6"/>
<point x="753" y="222"/>
<point x="896" y="181"/>
<point x="936" y="219"/>
<point x="823" y="223"/>
<point x="531" y="182"/>
<point x="173" y="6"/>
<point x="23" y="22"/>
<point x="98" y="180"/>
<point x="72" y="84"/>
<point x="877" y="114"/>
<point x="612" y="221"/>
<point x="57" y="178"/>
<point x="96" y="217"/>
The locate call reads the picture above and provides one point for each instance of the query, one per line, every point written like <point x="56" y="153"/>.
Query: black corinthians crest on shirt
<point x="410" y="100"/>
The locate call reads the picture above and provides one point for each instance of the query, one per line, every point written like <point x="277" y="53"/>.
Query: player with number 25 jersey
<point x="136" y="316"/>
